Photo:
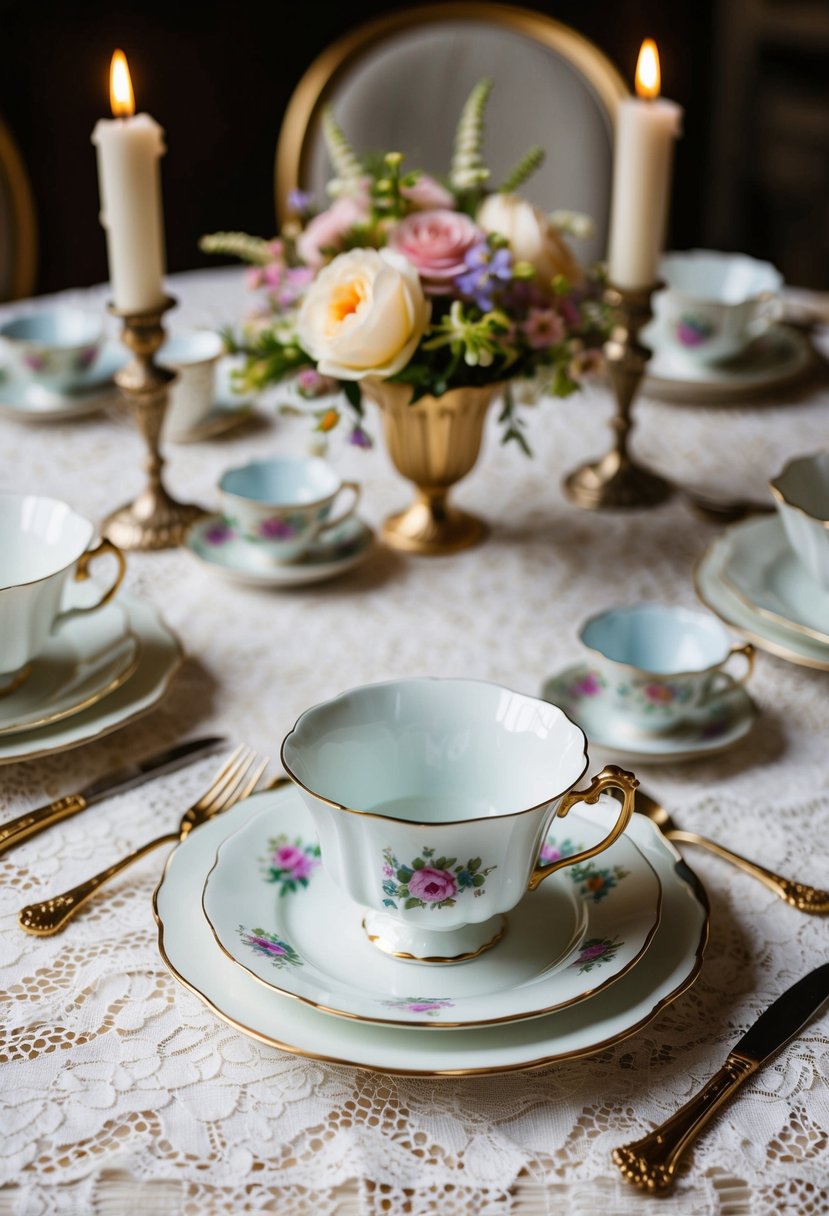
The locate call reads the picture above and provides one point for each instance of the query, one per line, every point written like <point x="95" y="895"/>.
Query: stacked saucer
<point x="249" y="920"/>
<point x="79" y="659"/>
<point x="257" y="911"/>
<point x="752" y="578"/>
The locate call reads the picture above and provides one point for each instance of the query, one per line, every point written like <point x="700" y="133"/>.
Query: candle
<point x="130" y="147"/>
<point x="646" y="129"/>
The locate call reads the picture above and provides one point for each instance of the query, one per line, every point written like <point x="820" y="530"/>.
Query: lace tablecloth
<point x="120" y="1092"/>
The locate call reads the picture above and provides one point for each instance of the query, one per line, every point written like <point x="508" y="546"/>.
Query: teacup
<point x="43" y="543"/>
<point x="656" y="663"/>
<point x="193" y="356"/>
<point x="53" y="349"/>
<point x="801" y="493"/>
<point x="715" y="304"/>
<point x="432" y="798"/>
<point x="284" y="504"/>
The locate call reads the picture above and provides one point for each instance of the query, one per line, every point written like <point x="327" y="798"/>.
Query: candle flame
<point x="121" y="96"/>
<point x="648" y="74"/>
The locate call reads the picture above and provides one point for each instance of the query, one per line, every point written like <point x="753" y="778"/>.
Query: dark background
<point x="218" y="76"/>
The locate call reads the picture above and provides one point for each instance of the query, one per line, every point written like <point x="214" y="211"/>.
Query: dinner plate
<point x="27" y="401"/>
<point x="770" y="363"/>
<point x="777" y="638"/>
<point x="764" y="571"/>
<point x="85" y="658"/>
<point x="160" y="657"/>
<point x="190" y="950"/>
<point x="704" y="732"/>
<point x="213" y="542"/>
<point x="276" y="913"/>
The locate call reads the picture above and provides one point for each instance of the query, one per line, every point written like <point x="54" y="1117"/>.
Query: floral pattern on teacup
<point x="653" y="696"/>
<point x="693" y="331"/>
<point x="270" y="946"/>
<point x="85" y="358"/>
<point x="281" y="527"/>
<point x="422" y="1004"/>
<point x="290" y="863"/>
<point x="219" y="533"/>
<point x="429" y="881"/>
<point x="587" y="683"/>
<point x="595" y="951"/>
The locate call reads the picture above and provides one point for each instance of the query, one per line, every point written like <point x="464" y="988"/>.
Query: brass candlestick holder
<point x="154" y="520"/>
<point x="617" y="480"/>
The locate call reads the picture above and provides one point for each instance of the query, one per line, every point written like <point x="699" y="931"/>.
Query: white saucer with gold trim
<point x="277" y="914"/>
<point x="85" y="659"/>
<point x="159" y="658"/>
<point x="191" y="952"/>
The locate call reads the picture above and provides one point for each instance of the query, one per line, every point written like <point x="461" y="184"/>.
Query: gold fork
<point x="798" y="894"/>
<point x="233" y="782"/>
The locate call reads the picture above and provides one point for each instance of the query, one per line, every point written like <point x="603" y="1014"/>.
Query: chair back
<point x="398" y="84"/>
<point x="18" y="249"/>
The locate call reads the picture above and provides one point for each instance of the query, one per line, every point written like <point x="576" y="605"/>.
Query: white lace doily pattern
<point x="121" y="1092"/>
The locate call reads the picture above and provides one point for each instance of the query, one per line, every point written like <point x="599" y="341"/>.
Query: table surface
<point x="119" y="1090"/>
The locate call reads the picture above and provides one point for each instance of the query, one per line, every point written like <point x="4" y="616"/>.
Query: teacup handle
<point x="611" y="776"/>
<point x="328" y="524"/>
<point x="82" y="573"/>
<point x="721" y="680"/>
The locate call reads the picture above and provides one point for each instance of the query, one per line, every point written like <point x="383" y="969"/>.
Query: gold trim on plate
<point x="416" y="1025"/>
<point x="686" y="875"/>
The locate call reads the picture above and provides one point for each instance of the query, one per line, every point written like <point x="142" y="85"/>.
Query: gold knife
<point x="25" y="826"/>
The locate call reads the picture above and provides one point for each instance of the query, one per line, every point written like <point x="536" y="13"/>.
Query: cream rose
<point x="363" y="315"/>
<point x="532" y="238"/>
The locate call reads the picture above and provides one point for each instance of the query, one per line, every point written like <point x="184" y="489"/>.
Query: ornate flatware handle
<point x="611" y="777"/>
<point x="17" y="830"/>
<point x="650" y="1163"/>
<point x="53" y="915"/>
<point x="798" y="894"/>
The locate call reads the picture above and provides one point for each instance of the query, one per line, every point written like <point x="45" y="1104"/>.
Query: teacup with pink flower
<point x="432" y="799"/>
<point x="654" y="664"/>
<point x="282" y="505"/>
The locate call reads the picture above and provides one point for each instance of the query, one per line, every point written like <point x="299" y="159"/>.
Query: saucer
<point x="277" y="914"/>
<point x="189" y="949"/>
<point x="159" y="658"/>
<point x="85" y="659"/>
<point x="764" y="571"/>
<point x="577" y="690"/>
<point x="213" y="542"/>
<point x="712" y="575"/>
<point x="770" y="363"/>
<point x="29" y="402"/>
<point x="229" y="409"/>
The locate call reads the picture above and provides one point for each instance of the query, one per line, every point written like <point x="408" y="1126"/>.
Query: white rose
<point x="363" y="315"/>
<point x="531" y="236"/>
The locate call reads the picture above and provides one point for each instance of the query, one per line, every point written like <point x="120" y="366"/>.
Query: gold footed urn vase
<point x="433" y="443"/>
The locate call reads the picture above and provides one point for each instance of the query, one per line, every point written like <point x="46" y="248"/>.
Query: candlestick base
<point x="616" y="481"/>
<point x="154" y="520"/>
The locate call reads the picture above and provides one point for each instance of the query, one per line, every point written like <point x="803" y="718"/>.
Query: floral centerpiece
<point x="428" y="297"/>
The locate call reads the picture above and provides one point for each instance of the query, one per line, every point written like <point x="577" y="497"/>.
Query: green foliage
<point x="526" y="166"/>
<point x="251" y="249"/>
<point x="346" y="164"/>
<point x="468" y="172"/>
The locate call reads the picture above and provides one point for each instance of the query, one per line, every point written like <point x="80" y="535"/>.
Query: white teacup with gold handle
<point x="43" y="544"/>
<point x="432" y="798"/>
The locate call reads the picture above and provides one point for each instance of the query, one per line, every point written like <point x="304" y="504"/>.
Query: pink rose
<point x="432" y="886"/>
<point x="292" y="859"/>
<point x="427" y="194"/>
<point x="326" y="232"/>
<point x="435" y="243"/>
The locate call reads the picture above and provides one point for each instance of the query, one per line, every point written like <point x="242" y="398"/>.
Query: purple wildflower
<point x="360" y="438"/>
<point x="487" y="269"/>
<point x="300" y="202"/>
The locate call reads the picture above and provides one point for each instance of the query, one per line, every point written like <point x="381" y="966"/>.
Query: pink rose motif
<point x="326" y="232"/>
<point x="587" y="685"/>
<point x="432" y="886"/>
<point x="276" y="529"/>
<point x="550" y="853"/>
<point x="436" y="242"/>
<point x="659" y="694"/>
<point x="261" y="943"/>
<point x="293" y="860"/>
<point x="592" y="952"/>
<point x="427" y="194"/>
